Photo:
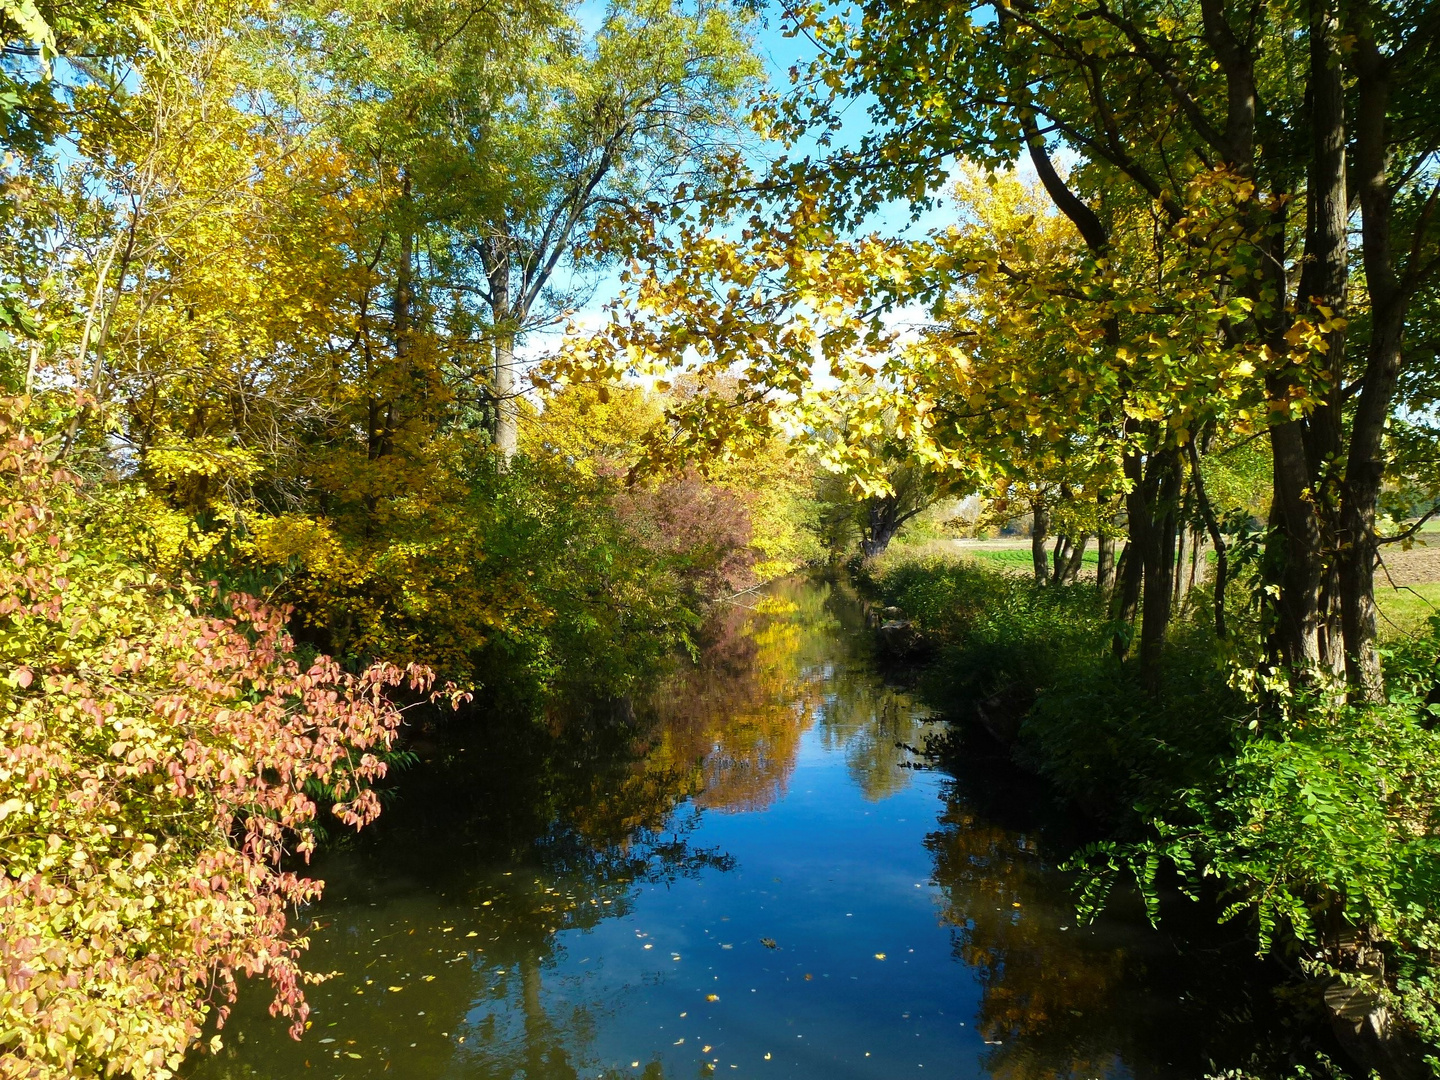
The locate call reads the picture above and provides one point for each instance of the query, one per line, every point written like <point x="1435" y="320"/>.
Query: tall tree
<point x="1291" y="112"/>
<point x="503" y="137"/>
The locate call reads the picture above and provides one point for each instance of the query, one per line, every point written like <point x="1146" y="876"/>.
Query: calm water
<point x="760" y="878"/>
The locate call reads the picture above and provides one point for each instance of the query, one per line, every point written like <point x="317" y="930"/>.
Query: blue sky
<point x="779" y="53"/>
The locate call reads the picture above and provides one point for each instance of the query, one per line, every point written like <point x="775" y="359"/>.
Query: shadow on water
<point x="754" y="871"/>
<point x="1115" y="998"/>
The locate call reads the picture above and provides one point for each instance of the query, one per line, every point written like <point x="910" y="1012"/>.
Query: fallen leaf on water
<point x="472" y="933"/>
<point x="394" y="989"/>
<point x="352" y="1054"/>
<point x="808" y="976"/>
<point x="769" y="943"/>
<point x="767" y="1055"/>
<point x="879" y="956"/>
<point x="678" y="1042"/>
<point x="705" y="1049"/>
<point x="712" y="997"/>
<point x="429" y="978"/>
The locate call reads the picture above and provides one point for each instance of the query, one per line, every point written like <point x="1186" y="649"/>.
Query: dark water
<point x="754" y="880"/>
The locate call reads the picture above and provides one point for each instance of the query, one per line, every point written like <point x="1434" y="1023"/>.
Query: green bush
<point x="1318" y="821"/>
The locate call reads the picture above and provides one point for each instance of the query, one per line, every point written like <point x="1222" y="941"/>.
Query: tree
<point x="505" y="141"/>
<point x="1273" y="121"/>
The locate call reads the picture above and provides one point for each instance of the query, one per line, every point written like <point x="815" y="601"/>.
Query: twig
<point x="1408" y="533"/>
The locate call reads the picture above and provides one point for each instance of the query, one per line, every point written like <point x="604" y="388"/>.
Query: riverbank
<point x="1312" y="822"/>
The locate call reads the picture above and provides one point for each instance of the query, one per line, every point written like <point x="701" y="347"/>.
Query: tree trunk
<point x="495" y="254"/>
<point x="1060" y="559"/>
<point x="1104" y="562"/>
<point x="1070" y="572"/>
<point x="1297" y="609"/>
<point x="1159" y="554"/>
<point x="1125" y="603"/>
<point x="1125" y="600"/>
<point x="507" y="412"/>
<point x="1364" y="467"/>
<point x="1039" y="530"/>
<point x="1184" y="549"/>
<point x="881" y="524"/>
<point x="1212" y="526"/>
<point x="1303" y="452"/>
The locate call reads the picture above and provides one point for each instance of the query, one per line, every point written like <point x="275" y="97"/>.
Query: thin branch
<point x="1415" y="528"/>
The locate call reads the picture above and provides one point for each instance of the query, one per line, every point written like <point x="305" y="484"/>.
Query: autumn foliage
<point x="162" y="769"/>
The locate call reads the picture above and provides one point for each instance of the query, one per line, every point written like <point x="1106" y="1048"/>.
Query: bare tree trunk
<point x="1302" y="452"/>
<point x="881" y="525"/>
<point x="1212" y="526"/>
<point x="1071" y="570"/>
<point x="1389" y="295"/>
<point x="505" y="433"/>
<point x="1039" y="530"/>
<point x="507" y="411"/>
<point x="1060" y="559"/>
<point x="1125" y="599"/>
<point x="1104" y="562"/>
<point x="1184" y="548"/>
<point x="1159" y="559"/>
<point x="1125" y="603"/>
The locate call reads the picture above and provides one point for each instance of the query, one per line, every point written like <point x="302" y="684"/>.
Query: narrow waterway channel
<point x="762" y="877"/>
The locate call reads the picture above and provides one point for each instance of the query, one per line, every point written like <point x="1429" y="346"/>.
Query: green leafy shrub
<point x="165" y="757"/>
<point x="1319" y="822"/>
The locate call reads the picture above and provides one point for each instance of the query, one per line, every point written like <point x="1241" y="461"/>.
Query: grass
<point x="1020" y="558"/>
<point x="1006" y="554"/>
<point x="1404" y="610"/>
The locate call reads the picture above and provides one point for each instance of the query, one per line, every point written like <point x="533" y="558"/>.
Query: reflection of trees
<point x="1044" y="988"/>
<point x="505" y="840"/>
<point x="735" y="718"/>
<point x="518" y="832"/>
<point x="1064" y="1001"/>
<point x="767" y="673"/>
<point x="874" y="726"/>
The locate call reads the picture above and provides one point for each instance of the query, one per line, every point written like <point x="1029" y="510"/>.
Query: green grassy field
<point x="1402" y="611"/>
<point x="1405" y="610"/>
<point x="1019" y="558"/>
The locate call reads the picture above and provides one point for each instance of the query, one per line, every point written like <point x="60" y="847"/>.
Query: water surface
<point x="759" y="876"/>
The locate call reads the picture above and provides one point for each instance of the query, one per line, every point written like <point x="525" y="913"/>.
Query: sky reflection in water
<point x="757" y="884"/>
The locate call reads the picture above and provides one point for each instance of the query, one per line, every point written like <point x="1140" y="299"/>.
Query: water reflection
<point x="748" y="874"/>
<point x="1115" y="999"/>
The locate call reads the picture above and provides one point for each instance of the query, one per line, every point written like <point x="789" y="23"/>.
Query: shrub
<point x="1318" y="821"/>
<point x="159" y="767"/>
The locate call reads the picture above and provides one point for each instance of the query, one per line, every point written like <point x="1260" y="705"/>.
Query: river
<point x="760" y="875"/>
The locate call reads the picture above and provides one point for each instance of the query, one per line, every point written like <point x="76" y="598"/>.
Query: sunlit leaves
<point x="158" y="764"/>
